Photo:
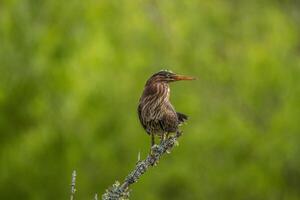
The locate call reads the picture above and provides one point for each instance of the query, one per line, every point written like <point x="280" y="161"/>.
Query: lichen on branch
<point x="121" y="191"/>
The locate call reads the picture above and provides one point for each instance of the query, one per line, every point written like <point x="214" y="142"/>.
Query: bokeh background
<point x="71" y="74"/>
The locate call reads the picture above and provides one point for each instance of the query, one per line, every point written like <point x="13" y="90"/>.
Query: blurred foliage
<point x="71" y="74"/>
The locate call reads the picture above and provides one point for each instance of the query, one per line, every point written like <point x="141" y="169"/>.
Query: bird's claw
<point x="153" y="152"/>
<point x="153" y="149"/>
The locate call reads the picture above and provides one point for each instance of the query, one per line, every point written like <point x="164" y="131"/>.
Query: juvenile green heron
<point x="156" y="113"/>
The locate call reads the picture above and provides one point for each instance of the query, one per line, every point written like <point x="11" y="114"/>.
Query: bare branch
<point x="121" y="191"/>
<point x="73" y="189"/>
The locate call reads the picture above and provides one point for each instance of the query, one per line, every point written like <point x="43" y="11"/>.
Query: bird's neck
<point x="159" y="91"/>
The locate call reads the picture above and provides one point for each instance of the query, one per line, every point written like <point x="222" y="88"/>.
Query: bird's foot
<point x="163" y="138"/>
<point x="153" y="149"/>
<point x="167" y="135"/>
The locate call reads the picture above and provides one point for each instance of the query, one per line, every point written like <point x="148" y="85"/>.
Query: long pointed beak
<point x="182" y="77"/>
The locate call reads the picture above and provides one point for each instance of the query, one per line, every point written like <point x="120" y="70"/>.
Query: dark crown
<point x="164" y="73"/>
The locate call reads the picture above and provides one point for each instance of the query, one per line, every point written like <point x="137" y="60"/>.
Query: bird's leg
<point x="152" y="140"/>
<point x="163" y="137"/>
<point x="152" y="143"/>
<point x="167" y="136"/>
<point x="153" y="149"/>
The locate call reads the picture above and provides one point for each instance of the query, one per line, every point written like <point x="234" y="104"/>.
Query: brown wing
<point x="140" y="117"/>
<point x="169" y="121"/>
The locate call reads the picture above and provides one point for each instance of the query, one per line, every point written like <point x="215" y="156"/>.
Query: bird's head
<point x="166" y="76"/>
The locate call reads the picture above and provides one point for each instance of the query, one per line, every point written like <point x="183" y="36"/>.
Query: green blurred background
<point x="72" y="73"/>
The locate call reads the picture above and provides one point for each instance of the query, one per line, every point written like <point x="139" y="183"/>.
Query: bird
<point x="157" y="115"/>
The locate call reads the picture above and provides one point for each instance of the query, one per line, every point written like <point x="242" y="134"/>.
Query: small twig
<point x="121" y="191"/>
<point x="139" y="158"/>
<point x="73" y="189"/>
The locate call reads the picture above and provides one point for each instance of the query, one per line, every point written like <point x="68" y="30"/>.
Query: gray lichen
<point x="121" y="191"/>
<point x="73" y="184"/>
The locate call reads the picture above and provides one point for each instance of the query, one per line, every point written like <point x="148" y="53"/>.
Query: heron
<point x="156" y="113"/>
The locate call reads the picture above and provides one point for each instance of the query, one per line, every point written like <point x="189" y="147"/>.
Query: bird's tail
<point x="182" y="117"/>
